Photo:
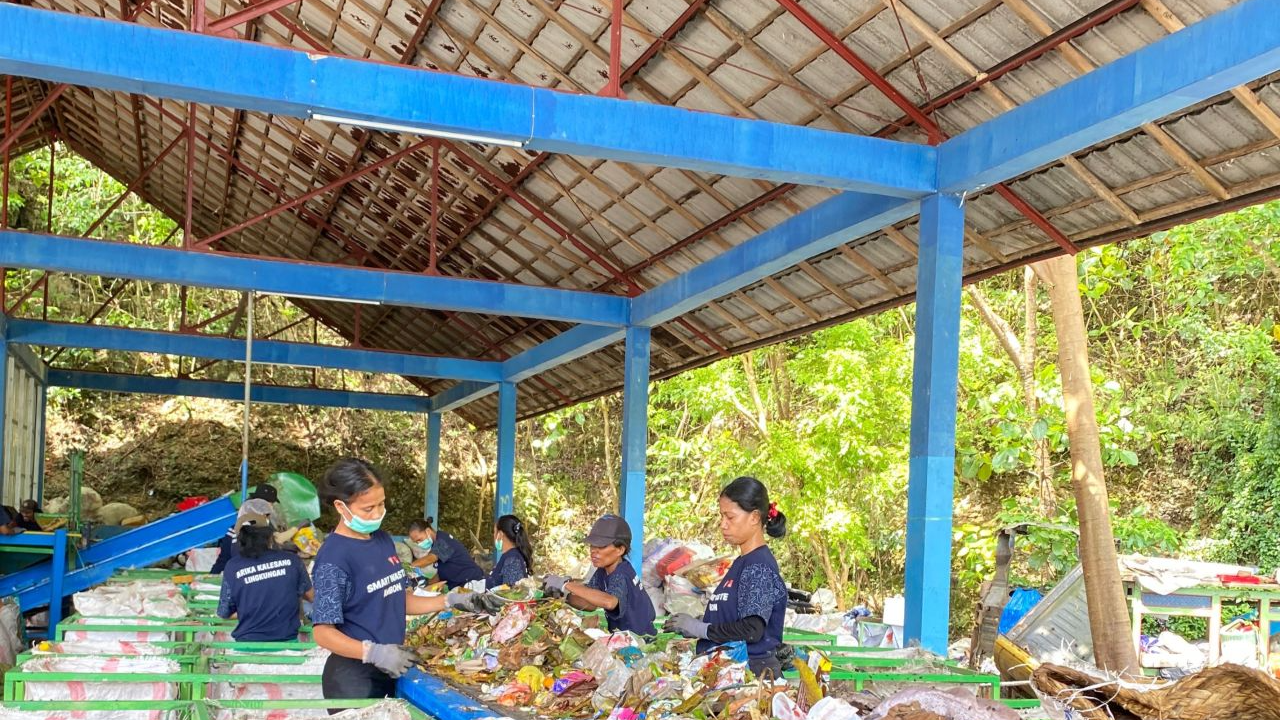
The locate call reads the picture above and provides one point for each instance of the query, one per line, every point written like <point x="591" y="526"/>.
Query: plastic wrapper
<point x="101" y="647"/>
<point x="201" y="559"/>
<point x="157" y="600"/>
<point x="10" y="638"/>
<point x="97" y="666"/>
<point x="127" y="633"/>
<point x="707" y="574"/>
<point x="10" y="714"/>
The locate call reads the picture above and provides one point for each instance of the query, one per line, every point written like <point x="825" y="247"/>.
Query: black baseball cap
<point x="609" y="530"/>
<point x="30" y="506"/>
<point x="266" y="492"/>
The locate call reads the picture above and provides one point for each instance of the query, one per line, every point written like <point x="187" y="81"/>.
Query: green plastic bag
<point x="296" y="496"/>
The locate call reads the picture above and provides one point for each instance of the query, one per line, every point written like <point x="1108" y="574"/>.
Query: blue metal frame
<point x="57" y="568"/>
<point x="933" y="421"/>
<point x="1230" y="48"/>
<point x="635" y="437"/>
<point x="275" y="394"/>
<point x="459" y="395"/>
<point x="265" y="352"/>
<point x="281" y="277"/>
<point x="432" y="696"/>
<point x="504" y="493"/>
<point x="133" y="58"/>
<point x="431" y="501"/>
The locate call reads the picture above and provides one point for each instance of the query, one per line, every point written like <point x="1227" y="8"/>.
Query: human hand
<point x="555" y="582"/>
<point x="687" y="626"/>
<point x="393" y="660"/>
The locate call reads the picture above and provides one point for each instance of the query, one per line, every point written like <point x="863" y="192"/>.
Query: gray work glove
<point x="393" y="660"/>
<point x="687" y="626"/>
<point x="555" y="582"/>
<point x="473" y="602"/>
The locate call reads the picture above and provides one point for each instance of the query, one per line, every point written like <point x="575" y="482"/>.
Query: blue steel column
<point x="504" y="495"/>
<point x="57" y="571"/>
<point x="635" y="436"/>
<point x="933" y="421"/>
<point x="431" y="503"/>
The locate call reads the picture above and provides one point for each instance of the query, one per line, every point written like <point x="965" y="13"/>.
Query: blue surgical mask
<point x="427" y="543"/>
<point x="497" y="546"/>
<point x="362" y="525"/>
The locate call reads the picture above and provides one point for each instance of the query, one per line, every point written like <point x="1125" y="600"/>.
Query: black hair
<point x="254" y="540"/>
<point x="346" y="479"/>
<point x="266" y="492"/>
<point x="511" y="526"/>
<point x="420" y="525"/>
<point x="751" y="495"/>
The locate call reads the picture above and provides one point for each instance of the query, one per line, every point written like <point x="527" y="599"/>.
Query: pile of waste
<point x="541" y="656"/>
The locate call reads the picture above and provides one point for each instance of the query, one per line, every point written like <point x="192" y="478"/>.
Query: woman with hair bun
<point x="750" y="603"/>
<point x="515" y="553"/>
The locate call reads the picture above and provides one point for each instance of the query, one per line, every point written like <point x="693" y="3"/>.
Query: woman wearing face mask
<point x="360" y="599"/>
<point x="750" y="603"/>
<point x="614" y="587"/>
<point x="453" y="563"/>
<point x="515" y="553"/>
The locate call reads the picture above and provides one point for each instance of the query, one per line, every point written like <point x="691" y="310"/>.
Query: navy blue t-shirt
<point x="753" y="587"/>
<point x="264" y="593"/>
<point x="360" y="588"/>
<point x="635" y="611"/>
<point x="453" y="563"/>
<point x="511" y="569"/>
<point x="227" y="548"/>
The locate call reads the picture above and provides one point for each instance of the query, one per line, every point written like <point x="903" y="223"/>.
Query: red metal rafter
<point x="613" y="87"/>
<point x="133" y="186"/>
<point x="268" y="336"/>
<point x="1068" y="33"/>
<point x="303" y="213"/>
<point x="634" y="68"/>
<point x="283" y="207"/>
<point x="406" y="58"/>
<point x="11" y="134"/>
<point x="303" y="35"/>
<point x="435" y="206"/>
<point x="223" y="26"/>
<point x="547" y="220"/>
<point x="26" y="295"/>
<point x="935" y="133"/>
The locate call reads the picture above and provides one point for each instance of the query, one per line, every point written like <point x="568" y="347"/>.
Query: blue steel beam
<point x="635" y="436"/>
<point x="1233" y="47"/>
<point x="274" y="394"/>
<point x="930" y="490"/>
<point x="459" y="395"/>
<point x="568" y="345"/>
<point x="311" y="280"/>
<point x="128" y="57"/>
<point x="273" y="352"/>
<point x="820" y="228"/>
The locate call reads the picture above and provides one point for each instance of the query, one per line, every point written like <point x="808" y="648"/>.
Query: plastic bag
<point x="201" y="559"/>
<point x="385" y="710"/>
<point x="10" y="639"/>
<point x="101" y="647"/>
<point x="79" y="690"/>
<point x="1019" y="605"/>
<point x="10" y="714"/>
<point x="137" y="635"/>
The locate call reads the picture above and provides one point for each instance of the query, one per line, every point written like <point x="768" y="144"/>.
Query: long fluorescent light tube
<point x="431" y="132"/>
<point x="300" y="296"/>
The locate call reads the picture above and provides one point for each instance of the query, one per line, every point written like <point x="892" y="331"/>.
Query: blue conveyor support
<point x="139" y="548"/>
<point x="434" y="697"/>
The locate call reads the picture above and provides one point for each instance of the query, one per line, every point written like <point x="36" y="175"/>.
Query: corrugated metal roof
<point x="582" y="223"/>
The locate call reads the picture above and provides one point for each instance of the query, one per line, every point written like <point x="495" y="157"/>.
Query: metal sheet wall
<point x="23" y="436"/>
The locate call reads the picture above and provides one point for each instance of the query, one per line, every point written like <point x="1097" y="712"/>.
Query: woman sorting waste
<point x="515" y="553"/>
<point x="228" y="545"/>
<point x="360" y="599"/>
<point x="614" y="587"/>
<point x="453" y="563"/>
<point x="750" y="603"/>
<point x="261" y="586"/>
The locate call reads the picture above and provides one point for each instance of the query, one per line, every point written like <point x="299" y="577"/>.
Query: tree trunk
<point x="1108" y="613"/>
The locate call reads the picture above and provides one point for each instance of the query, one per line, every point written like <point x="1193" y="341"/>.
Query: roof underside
<point x="580" y="223"/>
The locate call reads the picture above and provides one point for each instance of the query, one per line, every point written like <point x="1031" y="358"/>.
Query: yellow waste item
<point x="531" y="676"/>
